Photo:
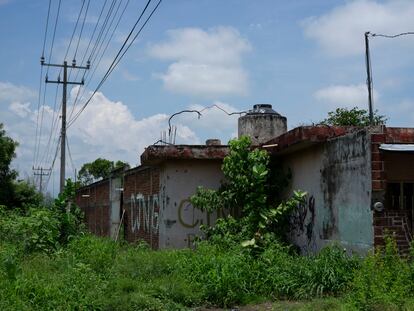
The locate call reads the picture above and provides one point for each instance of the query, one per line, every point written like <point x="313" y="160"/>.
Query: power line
<point x="65" y="83"/>
<point x="392" y="36"/>
<point x="70" y="156"/>
<point x="74" y="30"/>
<point x="47" y="26"/>
<point x="119" y="56"/>
<point x="84" y="56"/>
<point x="81" y="31"/>
<point x="98" y="39"/>
<point x="42" y="59"/>
<point x="40" y="81"/>
<point x="53" y="126"/>
<point x="369" y="67"/>
<point x="100" y="59"/>
<point x="199" y="114"/>
<point x="53" y="162"/>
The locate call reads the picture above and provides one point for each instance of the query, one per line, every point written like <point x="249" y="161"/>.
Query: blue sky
<point x="304" y="57"/>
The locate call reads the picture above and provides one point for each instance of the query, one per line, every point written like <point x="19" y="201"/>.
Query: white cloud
<point x="112" y="126"/>
<point x="22" y="110"/>
<point x="205" y="63"/>
<point x="10" y="92"/>
<point x="106" y="129"/>
<point x="344" y="95"/>
<point x="340" y="32"/>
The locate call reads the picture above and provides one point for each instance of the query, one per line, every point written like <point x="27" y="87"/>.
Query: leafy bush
<point x="252" y="193"/>
<point x="385" y="279"/>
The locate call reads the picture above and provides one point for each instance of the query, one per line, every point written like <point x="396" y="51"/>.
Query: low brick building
<point x="359" y="180"/>
<point x="359" y="185"/>
<point x="151" y="201"/>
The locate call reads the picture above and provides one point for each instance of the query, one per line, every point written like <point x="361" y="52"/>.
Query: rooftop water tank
<point x="261" y="124"/>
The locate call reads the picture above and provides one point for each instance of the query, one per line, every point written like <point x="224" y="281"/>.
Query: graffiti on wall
<point x="303" y="219"/>
<point x="144" y="212"/>
<point x="190" y="217"/>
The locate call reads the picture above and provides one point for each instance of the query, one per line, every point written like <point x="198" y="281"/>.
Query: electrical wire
<point x="70" y="156"/>
<point x="119" y="55"/>
<point x="98" y="39"/>
<point x="199" y="113"/>
<point x="99" y="61"/>
<point x="53" y="162"/>
<point x="91" y="58"/>
<point x="86" y="53"/>
<point x="45" y="88"/>
<point x="74" y="31"/>
<point x="46" y="28"/>
<point x="55" y="118"/>
<point x="81" y="31"/>
<point x="392" y="36"/>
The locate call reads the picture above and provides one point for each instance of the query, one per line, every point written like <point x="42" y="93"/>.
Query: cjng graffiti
<point x="144" y="212"/>
<point x="190" y="217"/>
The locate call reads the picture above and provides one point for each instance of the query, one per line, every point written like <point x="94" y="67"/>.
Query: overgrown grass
<point x="98" y="274"/>
<point x="91" y="273"/>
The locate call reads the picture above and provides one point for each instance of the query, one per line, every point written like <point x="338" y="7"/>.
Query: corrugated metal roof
<point x="397" y="147"/>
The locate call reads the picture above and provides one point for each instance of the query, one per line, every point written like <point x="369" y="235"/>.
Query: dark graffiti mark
<point x="309" y="226"/>
<point x="304" y="219"/>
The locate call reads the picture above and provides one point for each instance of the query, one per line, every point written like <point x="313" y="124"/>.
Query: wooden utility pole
<point x="43" y="172"/>
<point x="65" y="83"/>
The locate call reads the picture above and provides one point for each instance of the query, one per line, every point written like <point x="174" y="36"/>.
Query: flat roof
<point x="306" y="136"/>
<point x="156" y="154"/>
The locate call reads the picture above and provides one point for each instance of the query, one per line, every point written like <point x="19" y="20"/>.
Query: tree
<point x="98" y="169"/>
<point x="352" y="117"/>
<point x="7" y="175"/>
<point x="14" y="193"/>
<point x="249" y="191"/>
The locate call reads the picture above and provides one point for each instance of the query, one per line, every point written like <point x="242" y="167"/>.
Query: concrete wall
<point x="179" y="221"/>
<point x="337" y="176"/>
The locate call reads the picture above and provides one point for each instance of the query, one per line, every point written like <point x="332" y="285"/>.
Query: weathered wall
<point x="337" y="176"/>
<point x="179" y="221"/>
<point x="141" y="201"/>
<point x="94" y="202"/>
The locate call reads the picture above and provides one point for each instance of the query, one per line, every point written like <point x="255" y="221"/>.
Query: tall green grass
<point x="97" y="274"/>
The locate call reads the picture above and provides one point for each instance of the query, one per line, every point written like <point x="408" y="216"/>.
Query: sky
<point x="306" y="58"/>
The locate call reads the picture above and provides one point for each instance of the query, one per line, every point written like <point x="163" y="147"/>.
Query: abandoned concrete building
<point x="360" y="185"/>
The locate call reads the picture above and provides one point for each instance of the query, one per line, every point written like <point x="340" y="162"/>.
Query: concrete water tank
<point x="261" y="124"/>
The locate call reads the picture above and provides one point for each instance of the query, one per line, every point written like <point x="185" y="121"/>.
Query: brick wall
<point x="94" y="202"/>
<point x="395" y="222"/>
<point x="141" y="202"/>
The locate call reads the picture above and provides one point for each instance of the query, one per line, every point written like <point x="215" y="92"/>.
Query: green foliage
<point x="251" y="190"/>
<point x="69" y="215"/>
<point x="98" y="274"/>
<point x="13" y="194"/>
<point x="352" y="117"/>
<point x="7" y="175"/>
<point x="38" y="228"/>
<point x="25" y="195"/>
<point x="385" y="280"/>
<point x="98" y="169"/>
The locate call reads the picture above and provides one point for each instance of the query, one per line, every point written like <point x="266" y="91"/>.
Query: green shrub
<point x="383" y="281"/>
<point x="98" y="253"/>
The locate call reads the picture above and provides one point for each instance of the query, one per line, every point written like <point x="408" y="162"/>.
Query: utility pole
<point x="65" y="83"/>
<point x="43" y="172"/>
<point x="369" y="78"/>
